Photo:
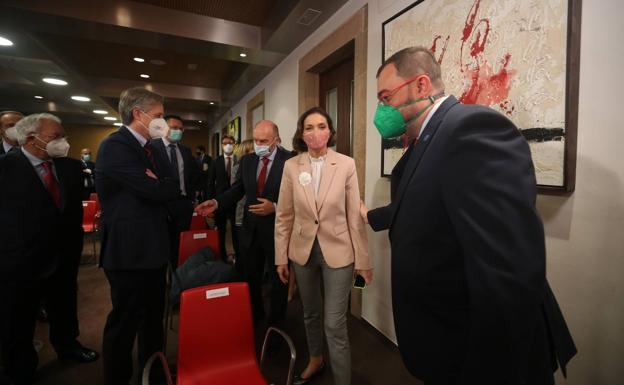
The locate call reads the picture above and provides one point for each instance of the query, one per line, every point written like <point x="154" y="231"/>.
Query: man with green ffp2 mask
<point x="470" y="298"/>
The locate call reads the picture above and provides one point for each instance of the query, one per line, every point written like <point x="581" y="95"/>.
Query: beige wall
<point x="86" y="136"/>
<point x="585" y="232"/>
<point x="91" y="137"/>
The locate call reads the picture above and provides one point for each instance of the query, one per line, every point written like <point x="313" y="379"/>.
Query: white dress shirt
<point x="437" y="105"/>
<point x="36" y="163"/>
<point x="261" y="163"/>
<point x="317" y="169"/>
<point x="137" y="136"/>
<point x="180" y="162"/>
<point x="7" y="147"/>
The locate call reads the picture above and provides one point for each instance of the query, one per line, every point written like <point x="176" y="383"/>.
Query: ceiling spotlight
<point x="38" y="97"/>
<point x="242" y="54"/>
<point x="100" y="112"/>
<point x="55" y="81"/>
<point x="144" y="76"/>
<point x="5" y="42"/>
<point x="118" y="124"/>
<point x="200" y="121"/>
<point x="212" y="103"/>
<point x="110" y="118"/>
<point x="81" y="98"/>
<point x="139" y="59"/>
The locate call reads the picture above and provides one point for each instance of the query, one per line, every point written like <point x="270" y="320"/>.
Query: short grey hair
<point x="31" y="125"/>
<point x="413" y="61"/>
<point x="137" y="97"/>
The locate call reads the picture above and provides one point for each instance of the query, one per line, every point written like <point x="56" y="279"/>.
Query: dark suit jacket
<point x="204" y="163"/>
<point x="88" y="180"/>
<point x="180" y="209"/>
<point x="470" y="296"/>
<point x="245" y="186"/>
<point x="134" y="212"/>
<point x="2" y="152"/>
<point x="34" y="234"/>
<point x="192" y="173"/>
<point x="218" y="181"/>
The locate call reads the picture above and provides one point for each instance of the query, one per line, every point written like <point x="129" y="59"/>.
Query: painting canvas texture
<point x="509" y="55"/>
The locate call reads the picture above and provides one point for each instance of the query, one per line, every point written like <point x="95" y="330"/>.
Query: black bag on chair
<point x="200" y="269"/>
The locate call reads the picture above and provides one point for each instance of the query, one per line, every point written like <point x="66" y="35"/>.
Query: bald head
<point x="266" y="133"/>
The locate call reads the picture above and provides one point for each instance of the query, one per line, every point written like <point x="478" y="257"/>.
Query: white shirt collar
<point x="7" y="147"/>
<point x="437" y="105"/>
<point x="137" y="136"/>
<point x="31" y="158"/>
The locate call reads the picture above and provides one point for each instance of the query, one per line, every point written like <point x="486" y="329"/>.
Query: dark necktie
<point x="173" y="157"/>
<point x="228" y="168"/>
<point x="150" y="155"/>
<point x="51" y="184"/>
<point x="262" y="177"/>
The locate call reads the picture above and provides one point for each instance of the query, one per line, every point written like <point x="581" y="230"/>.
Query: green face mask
<point x="390" y="122"/>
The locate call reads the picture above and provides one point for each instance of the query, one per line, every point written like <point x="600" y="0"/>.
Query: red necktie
<point x="51" y="184"/>
<point x="150" y="156"/>
<point x="262" y="177"/>
<point x="228" y="168"/>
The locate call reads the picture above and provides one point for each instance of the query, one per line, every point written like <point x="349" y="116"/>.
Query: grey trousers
<point x="337" y="286"/>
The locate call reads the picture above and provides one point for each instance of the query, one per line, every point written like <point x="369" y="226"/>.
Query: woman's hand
<point x="366" y="274"/>
<point x="364" y="212"/>
<point x="283" y="273"/>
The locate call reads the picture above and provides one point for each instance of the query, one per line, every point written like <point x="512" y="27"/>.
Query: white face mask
<point x="11" y="134"/>
<point x="157" y="128"/>
<point x="57" y="148"/>
<point x="228" y="148"/>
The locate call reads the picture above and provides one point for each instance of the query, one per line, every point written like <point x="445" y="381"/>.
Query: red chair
<point x="198" y="222"/>
<point x="89" y="221"/>
<point x="192" y="241"/>
<point x="216" y="341"/>
<point x="98" y="213"/>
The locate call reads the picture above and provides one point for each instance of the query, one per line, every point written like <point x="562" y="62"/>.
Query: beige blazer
<point x="334" y="217"/>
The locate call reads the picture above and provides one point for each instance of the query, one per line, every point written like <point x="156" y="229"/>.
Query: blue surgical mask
<point x="86" y="157"/>
<point x="175" y="135"/>
<point x="262" y="151"/>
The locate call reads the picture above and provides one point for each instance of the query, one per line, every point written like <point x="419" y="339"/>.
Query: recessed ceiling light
<point x="144" y="76"/>
<point x="200" y="121"/>
<point x="139" y="59"/>
<point x="38" y="97"/>
<point x="118" y="124"/>
<point x="211" y="103"/>
<point x="55" y="81"/>
<point x="5" y="42"/>
<point x="242" y="54"/>
<point x="158" y="62"/>
<point x="110" y="118"/>
<point x="81" y="98"/>
<point x="101" y="112"/>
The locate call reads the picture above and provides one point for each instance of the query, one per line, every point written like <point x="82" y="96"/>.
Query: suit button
<point x="316" y="222"/>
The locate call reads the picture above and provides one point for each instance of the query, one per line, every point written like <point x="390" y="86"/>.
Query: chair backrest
<point x="89" y="209"/>
<point x="198" y="222"/>
<point x="216" y="329"/>
<point x="94" y="197"/>
<point x="194" y="240"/>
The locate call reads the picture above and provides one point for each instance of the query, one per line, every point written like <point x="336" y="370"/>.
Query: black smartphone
<point x="359" y="282"/>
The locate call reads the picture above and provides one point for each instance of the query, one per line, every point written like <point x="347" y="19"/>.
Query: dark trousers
<point x="181" y="212"/>
<point x="138" y="307"/>
<point x="262" y="248"/>
<point x="20" y="302"/>
<point x="221" y="220"/>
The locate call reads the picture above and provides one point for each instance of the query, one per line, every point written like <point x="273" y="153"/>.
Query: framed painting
<point x="233" y="128"/>
<point x="518" y="57"/>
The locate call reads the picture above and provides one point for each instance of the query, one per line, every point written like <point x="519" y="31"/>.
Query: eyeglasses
<point x="385" y="96"/>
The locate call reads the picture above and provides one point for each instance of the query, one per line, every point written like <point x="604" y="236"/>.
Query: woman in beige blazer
<point x="319" y="228"/>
